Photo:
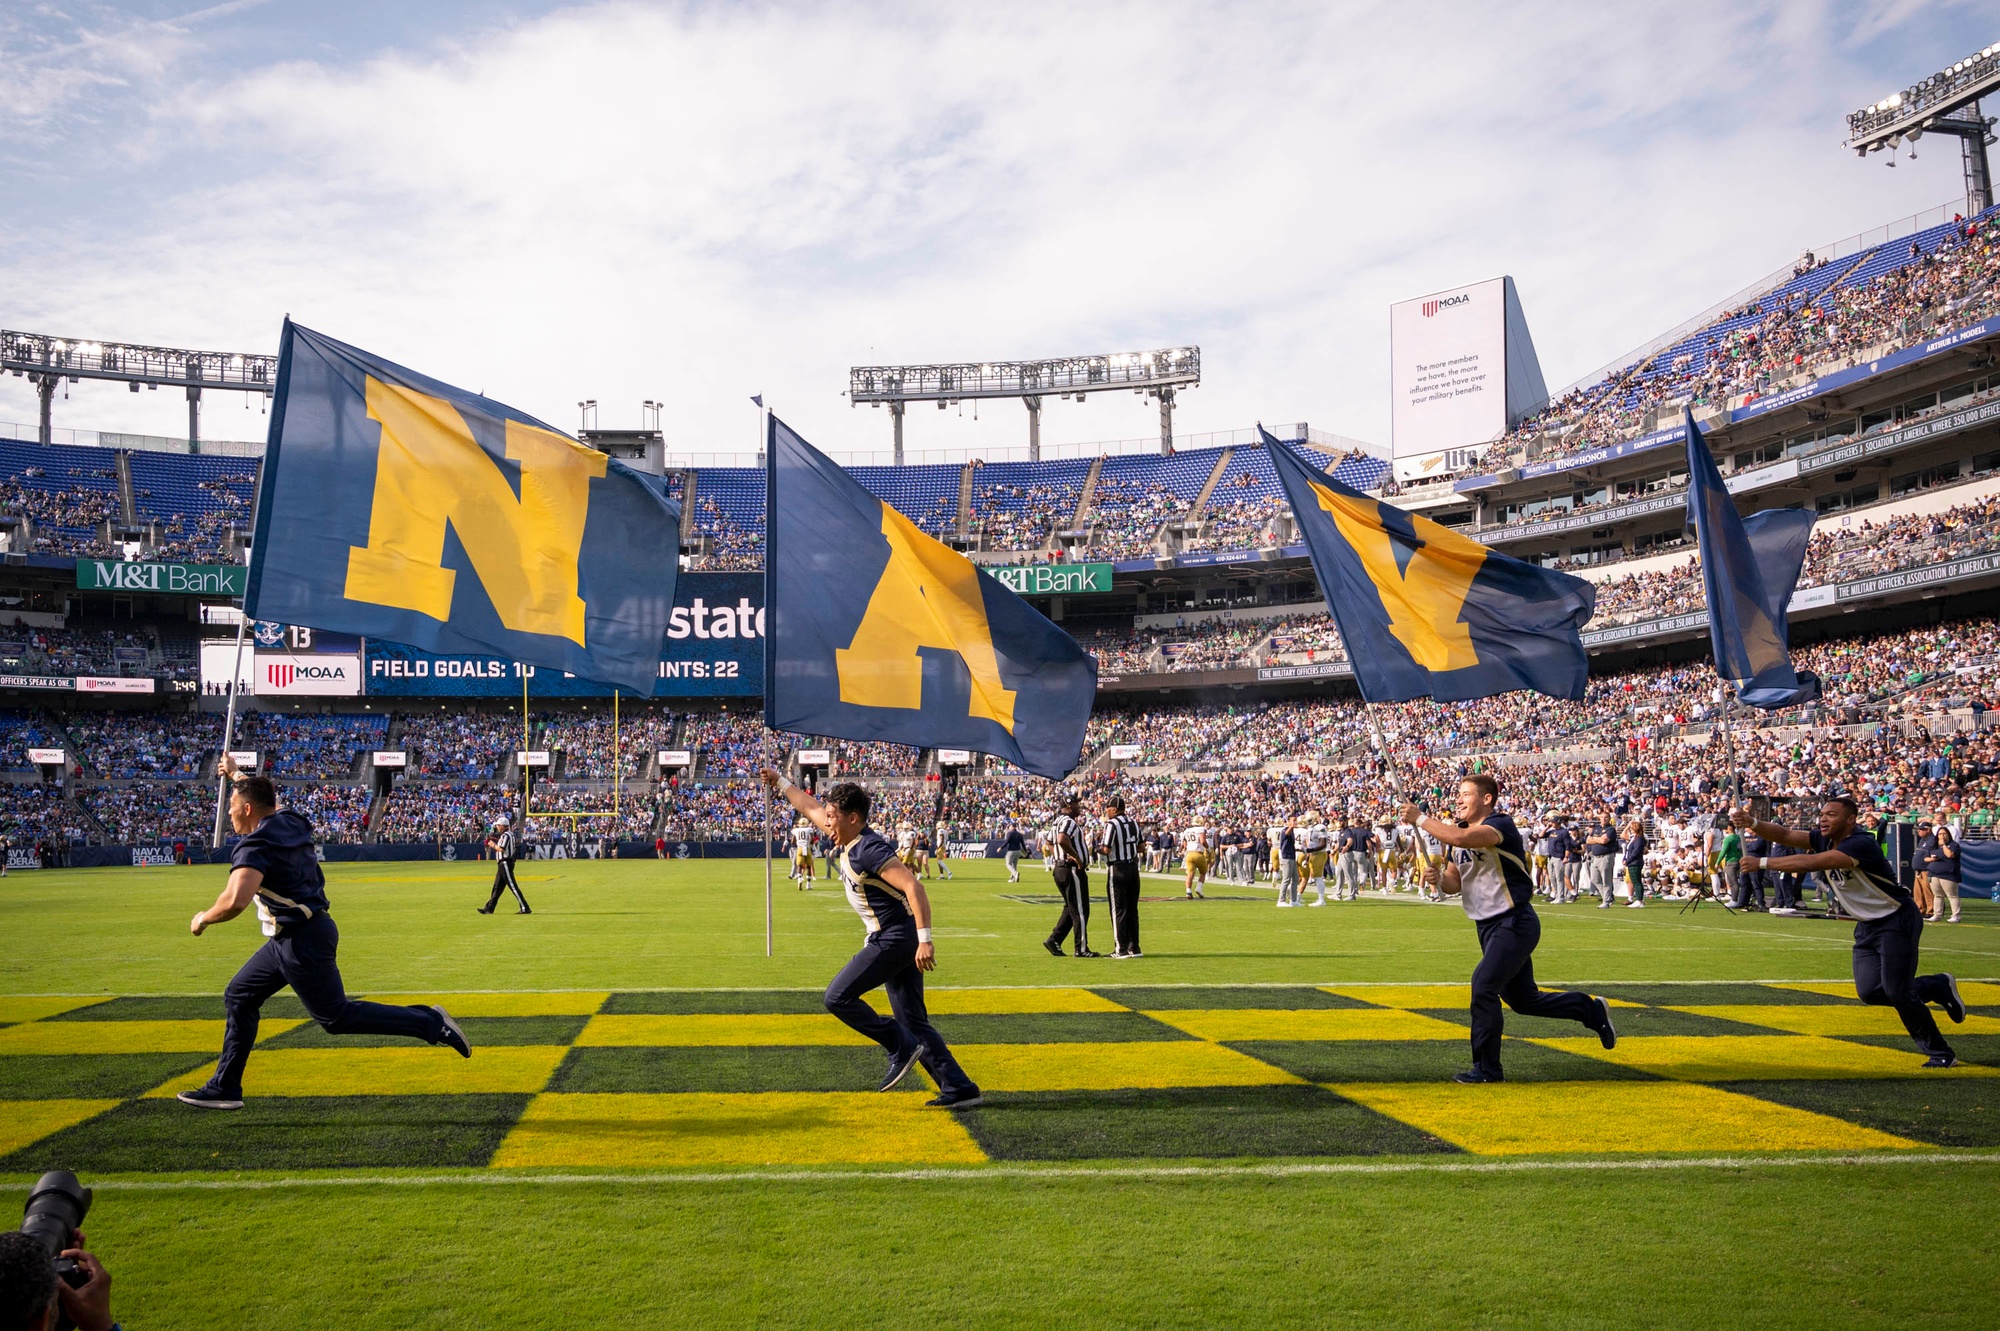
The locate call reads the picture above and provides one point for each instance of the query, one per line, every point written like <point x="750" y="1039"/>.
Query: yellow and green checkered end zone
<point x="703" y="1079"/>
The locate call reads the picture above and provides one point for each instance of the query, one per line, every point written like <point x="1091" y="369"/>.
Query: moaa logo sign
<point x="1431" y="307"/>
<point x="283" y="674"/>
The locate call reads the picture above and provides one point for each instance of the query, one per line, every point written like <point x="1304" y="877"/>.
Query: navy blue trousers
<point x="303" y="957"/>
<point x="888" y="961"/>
<point x="1885" y="974"/>
<point x="1506" y="970"/>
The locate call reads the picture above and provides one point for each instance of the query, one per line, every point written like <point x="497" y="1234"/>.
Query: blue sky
<point x="697" y="202"/>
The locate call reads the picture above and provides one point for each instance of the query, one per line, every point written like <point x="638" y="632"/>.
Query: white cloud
<point x="699" y="203"/>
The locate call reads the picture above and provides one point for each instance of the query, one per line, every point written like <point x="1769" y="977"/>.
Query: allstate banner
<point x="714" y="649"/>
<point x="397" y="507"/>
<point x="881" y="632"/>
<point x="1427" y="612"/>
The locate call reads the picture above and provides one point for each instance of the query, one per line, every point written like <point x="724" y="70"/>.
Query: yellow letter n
<point x="928" y="596"/>
<point x="430" y="472"/>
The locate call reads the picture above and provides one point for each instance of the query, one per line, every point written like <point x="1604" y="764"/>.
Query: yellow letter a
<point x="928" y="596"/>
<point x="1423" y="598"/>
<point x="429" y="471"/>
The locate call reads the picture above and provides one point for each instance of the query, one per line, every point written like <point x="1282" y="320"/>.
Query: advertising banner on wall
<point x="113" y="684"/>
<point x="171" y="579"/>
<point x="319" y="675"/>
<point x="1462" y="367"/>
<point x="714" y="648"/>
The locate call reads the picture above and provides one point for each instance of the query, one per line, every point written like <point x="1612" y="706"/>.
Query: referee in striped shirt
<point x="1121" y="842"/>
<point x="1071" y="881"/>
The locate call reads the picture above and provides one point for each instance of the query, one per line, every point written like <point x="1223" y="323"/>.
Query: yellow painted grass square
<point x="1420" y="995"/>
<point x="25" y="1122"/>
<point x="1547" y="1118"/>
<point x="14" y="1009"/>
<point x="503" y="1005"/>
<point x="1835" y="1019"/>
<point x="1757" y="1057"/>
<point x="1980" y="993"/>
<point x="760" y="1028"/>
<point x="126" y="1037"/>
<point x="1310" y="1024"/>
<point x="421" y="1070"/>
<point x="1144" y="1064"/>
<point x="771" y="1128"/>
<point x="974" y="1002"/>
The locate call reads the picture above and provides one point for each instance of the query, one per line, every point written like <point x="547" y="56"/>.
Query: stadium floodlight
<point x="1946" y="102"/>
<point x="47" y="361"/>
<point x="1157" y="374"/>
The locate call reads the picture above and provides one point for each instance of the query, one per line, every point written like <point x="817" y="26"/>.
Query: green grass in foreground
<point x="1822" y="1245"/>
<point x="643" y="924"/>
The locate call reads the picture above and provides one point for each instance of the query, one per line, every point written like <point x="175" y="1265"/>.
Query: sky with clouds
<point x="698" y="202"/>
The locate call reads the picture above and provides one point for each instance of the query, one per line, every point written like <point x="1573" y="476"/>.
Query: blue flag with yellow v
<point x="1427" y="612"/>
<point x="881" y="632"/>
<point x="1749" y="569"/>
<point x="395" y="506"/>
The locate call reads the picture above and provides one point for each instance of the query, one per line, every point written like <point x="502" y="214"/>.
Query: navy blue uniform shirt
<point x="281" y="848"/>
<point x="1868" y="891"/>
<point x="879" y="905"/>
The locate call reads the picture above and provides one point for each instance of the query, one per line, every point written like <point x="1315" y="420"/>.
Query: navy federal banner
<point x="400" y="508"/>
<point x="1749" y="568"/>
<point x="880" y="632"/>
<point x="1426" y="612"/>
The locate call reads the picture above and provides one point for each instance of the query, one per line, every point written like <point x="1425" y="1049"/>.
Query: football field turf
<point x="1254" y="1121"/>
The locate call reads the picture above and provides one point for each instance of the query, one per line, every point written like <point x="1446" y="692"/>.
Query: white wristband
<point x="785" y="783"/>
<point x="923" y="935"/>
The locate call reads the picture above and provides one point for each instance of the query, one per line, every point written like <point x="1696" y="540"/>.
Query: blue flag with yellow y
<point x="1427" y="612"/>
<point x="394" y="506"/>
<point x="1749" y="568"/>
<point x="881" y="632"/>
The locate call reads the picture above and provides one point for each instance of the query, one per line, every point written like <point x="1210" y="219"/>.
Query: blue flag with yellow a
<point x="881" y="632"/>
<point x="395" y="506"/>
<point x="1426" y="612"/>
<point x="1749" y="568"/>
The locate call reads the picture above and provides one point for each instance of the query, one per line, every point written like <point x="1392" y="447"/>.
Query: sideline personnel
<point x="1066" y="838"/>
<point x="1886" y="923"/>
<point x="1488" y="873"/>
<point x="897" y="914"/>
<point x="506" y="848"/>
<point x="275" y="867"/>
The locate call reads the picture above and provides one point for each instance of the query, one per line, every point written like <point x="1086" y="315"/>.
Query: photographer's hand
<point x="90" y="1306"/>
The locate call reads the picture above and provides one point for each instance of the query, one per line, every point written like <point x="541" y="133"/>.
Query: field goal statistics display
<point x="1462" y="368"/>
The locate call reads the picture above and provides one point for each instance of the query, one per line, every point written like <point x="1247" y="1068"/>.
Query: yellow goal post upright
<point x="617" y="770"/>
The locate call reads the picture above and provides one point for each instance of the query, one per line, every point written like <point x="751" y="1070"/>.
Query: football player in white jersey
<point x="803" y="833"/>
<point x="1195" y="859"/>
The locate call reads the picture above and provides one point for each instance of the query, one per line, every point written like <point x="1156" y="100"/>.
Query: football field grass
<point x="1253" y="1122"/>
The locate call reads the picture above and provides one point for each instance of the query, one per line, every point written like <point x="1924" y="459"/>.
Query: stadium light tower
<point x="1947" y="102"/>
<point x="1158" y="375"/>
<point x="46" y="361"/>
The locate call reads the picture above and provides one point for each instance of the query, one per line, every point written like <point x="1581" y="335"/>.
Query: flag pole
<point x="770" y="609"/>
<point x="770" y="799"/>
<point x="229" y="725"/>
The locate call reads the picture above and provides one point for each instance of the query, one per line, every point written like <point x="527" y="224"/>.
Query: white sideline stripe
<point x="483" y="1179"/>
<point x="992" y="988"/>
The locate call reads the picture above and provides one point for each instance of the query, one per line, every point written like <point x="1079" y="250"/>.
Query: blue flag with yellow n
<point x="1749" y="569"/>
<point x="881" y="632"/>
<point x="1426" y="612"/>
<point x="395" y="506"/>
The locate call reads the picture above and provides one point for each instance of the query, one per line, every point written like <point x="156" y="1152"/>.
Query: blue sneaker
<point x="1477" y="1077"/>
<point x="899" y="1066"/>
<point x="207" y="1097"/>
<point x="1606" y="1032"/>
<point x="968" y="1098"/>
<point x="452" y="1034"/>
<point x="1953" y="1005"/>
<point x="1934" y="1061"/>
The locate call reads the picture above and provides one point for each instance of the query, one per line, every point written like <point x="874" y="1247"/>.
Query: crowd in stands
<point x="450" y="811"/>
<point x="87" y="649"/>
<point x="36" y="812"/>
<point x="1126" y="514"/>
<point x="1827" y="317"/>
<point x="68" y="519"/>
<point x="145" y="744"/>
<point x="312" y="745"/>
<point x="471" y="746"/>
<point x="1022" y="517"/>
<point x="627" y="817"/>
<point x="585" y="741"/>
<point x="155" y="812"/>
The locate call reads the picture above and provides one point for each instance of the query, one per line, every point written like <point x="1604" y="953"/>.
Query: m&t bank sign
<point x="118" y="575"/>
<point x="1054" y="579"/>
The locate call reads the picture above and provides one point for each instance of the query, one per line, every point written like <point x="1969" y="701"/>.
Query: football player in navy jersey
<point x="897" y="915"/>
<point x="1487" y="870"/>
<point x="1887" y="924"/>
